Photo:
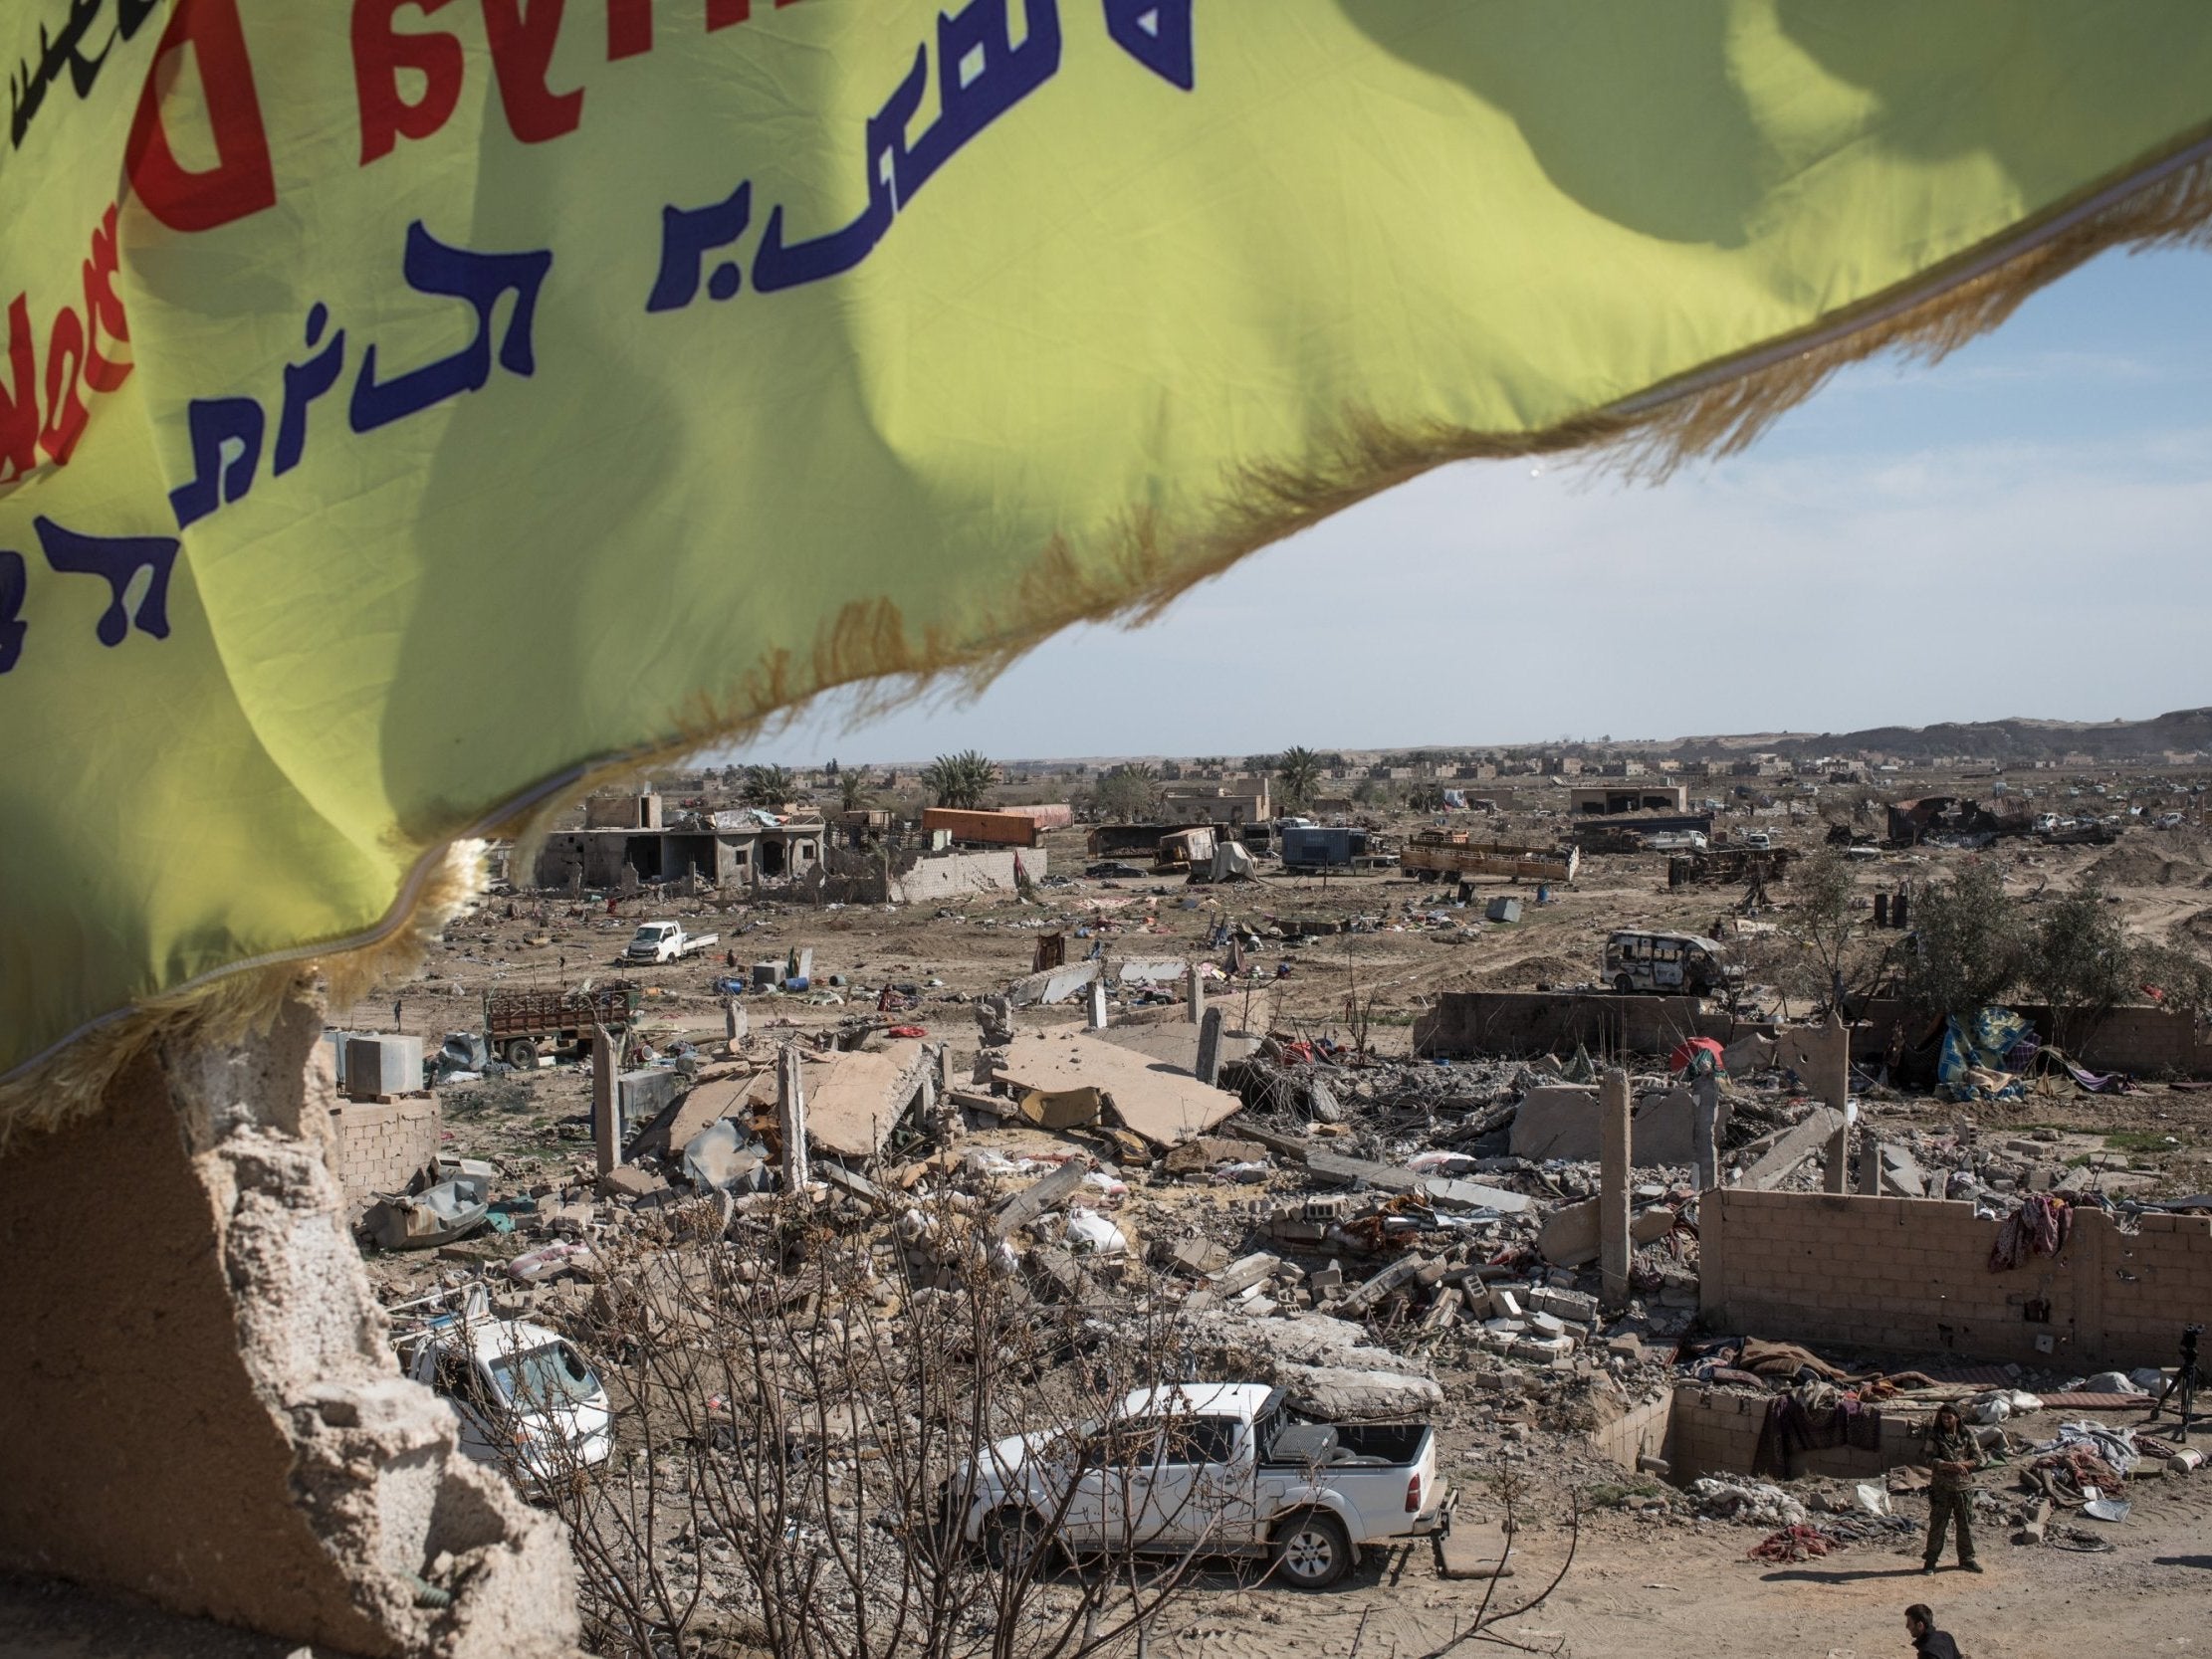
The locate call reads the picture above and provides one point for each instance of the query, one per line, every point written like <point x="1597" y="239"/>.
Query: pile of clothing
<point x="2039" y="1227"/>
<point x="1792" y="1544"/>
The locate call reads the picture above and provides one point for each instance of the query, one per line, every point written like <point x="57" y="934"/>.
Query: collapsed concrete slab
<point x="854" y="1098"/>
<point x="1163" y="1104"/>
<point x="1177" y="1045"/>
<point x="1902" y="1174"/>
<point x="1805" y="1141"/>
<point x="1054" y="984"/>
<point x="1442" y="1190"/>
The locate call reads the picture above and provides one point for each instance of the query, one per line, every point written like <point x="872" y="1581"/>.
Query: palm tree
<point x="853" y="791"/>
<point x="960" y="780"/>
<point x="1298" y="770"/>
<point x="766" y="786"/>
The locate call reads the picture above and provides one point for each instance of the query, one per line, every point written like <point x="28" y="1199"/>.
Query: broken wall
<point x="202" y="1405"/>
<point x="2145" y="1041"/>
<point x="1524" y="1025"/>
<point x="1911" y="1276"/>
<point x="1716" y="1431"/>
<point x="933" y="879"/>
<point x="378" y="1147"/>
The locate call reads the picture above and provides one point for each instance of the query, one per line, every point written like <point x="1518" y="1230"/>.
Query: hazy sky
<point x="2022" y="529"/>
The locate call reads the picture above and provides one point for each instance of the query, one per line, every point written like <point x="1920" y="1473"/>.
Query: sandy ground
<point x="1637" y="1588"/>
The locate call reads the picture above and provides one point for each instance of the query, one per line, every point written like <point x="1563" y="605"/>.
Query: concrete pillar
<point x="1095" y="1003"/>
<point x="791" y="1116"/>
<point x="1704" y="1135"/>
<point x="202" y="1405"/>
<point x="1831" y="1087"/>
<point x="1614" y="1175"/>
<point x="1194" y="994"/>
<point x="607" y="1130"/>
<point x="1869" y="1161"/>
<point x="1208" y="1064"/>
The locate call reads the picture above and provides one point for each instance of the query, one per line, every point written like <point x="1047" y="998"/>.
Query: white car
<point x="665" y="941"/>
<point x="528" y="1401"/>
<point x="1212" y="1469"/>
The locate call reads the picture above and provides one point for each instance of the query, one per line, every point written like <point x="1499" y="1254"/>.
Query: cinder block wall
<point x="1716" y="1431"/>
<point x="1639" y="1431"/>
<point x="2150" y="1041"/>
<point x="376" y="1148"/>
<point x="1911" y="1276"/>
<point x="1528" y="1023"/>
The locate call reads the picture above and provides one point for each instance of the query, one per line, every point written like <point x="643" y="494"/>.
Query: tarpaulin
<point x="1971" y="1066"/>
<point x="410" y="409"/>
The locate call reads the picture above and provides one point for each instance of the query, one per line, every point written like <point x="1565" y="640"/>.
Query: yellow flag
<point x="409" y="406"/>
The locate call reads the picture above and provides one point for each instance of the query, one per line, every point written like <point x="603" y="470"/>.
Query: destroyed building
<point x="743" y="848"/>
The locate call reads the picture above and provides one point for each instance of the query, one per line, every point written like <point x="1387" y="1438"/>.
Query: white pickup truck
<point x="665" y="941"/>
<point x="526" y="1400"/>
<point x="1209" y="1469"/>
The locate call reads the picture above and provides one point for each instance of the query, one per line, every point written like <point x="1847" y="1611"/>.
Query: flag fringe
<point x="1716" y="411"/>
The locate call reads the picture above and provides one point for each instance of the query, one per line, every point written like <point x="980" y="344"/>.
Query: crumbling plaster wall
<point x="953" y="874"/>
<point x="1911" y="1276"/>
<point x="202" y="1406"/>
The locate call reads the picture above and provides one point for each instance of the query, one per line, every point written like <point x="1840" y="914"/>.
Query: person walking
<point x="1952" y="1456"/>
<point x="1928" y="1641"/>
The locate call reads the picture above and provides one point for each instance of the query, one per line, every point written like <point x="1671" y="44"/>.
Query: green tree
<point x="1827" y="923"/>
<point x="2181" y="978"/>
<point x="854" y="793"/>
<point x="1298" y="772"/>
<point x="1970" y="944"/>
<point x="2078" y="962"/>
<point x="1128" y="794"/>
<point x="959" y="780"/>
<point x="767" y="787"/>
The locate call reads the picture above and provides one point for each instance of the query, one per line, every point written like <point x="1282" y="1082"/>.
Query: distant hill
<point x="2010" y="742"/>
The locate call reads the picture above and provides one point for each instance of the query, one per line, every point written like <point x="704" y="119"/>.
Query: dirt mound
<point x="1529" y="972"/>
<point x="2144" y="860"/>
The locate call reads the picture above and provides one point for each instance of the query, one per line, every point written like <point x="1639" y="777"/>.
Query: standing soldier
<point x="1952" y="1456"/>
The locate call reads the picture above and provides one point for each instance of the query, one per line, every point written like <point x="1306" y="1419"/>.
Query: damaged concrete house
<point x="629" y="842"/>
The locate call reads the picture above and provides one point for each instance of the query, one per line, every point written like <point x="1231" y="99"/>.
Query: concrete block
<point x="385" y="1064"/>
<point x="640" y="1096"/>
<point x="1902" y="1174"/>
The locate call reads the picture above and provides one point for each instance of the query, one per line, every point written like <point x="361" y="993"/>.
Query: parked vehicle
<point x="2167" y="821"/>
<point x="1675" y="841"/>
<point x="527" y="1398"/>
<point x="1641" y="961"/>
<point x="1217" y="1469"/>
<point x="519" y="1025"/>
<point x="1430" y="854"/>
<point x="1761" y="840"/>
<point x="665" y="941"/>
<point x="1323" y="847"/>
